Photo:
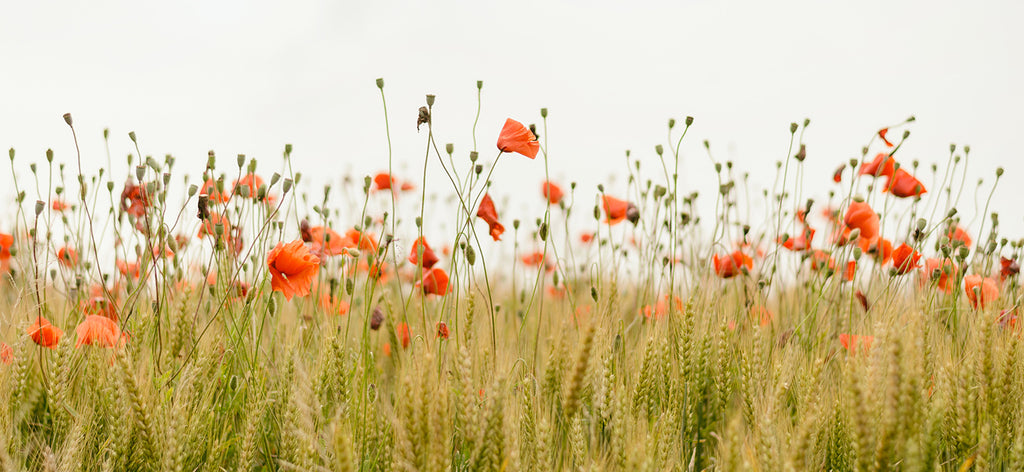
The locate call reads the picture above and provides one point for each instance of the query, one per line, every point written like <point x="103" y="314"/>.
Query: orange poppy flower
<point x="384" y="181"/>
<point x="515" y="137"/>
<point x="731" y="265"/>
<point x="328" y="242"/>
<point x="614" y="209"/>
<point x="883" y="165"/>
<point x="946" y="272"/>
<point x="553" y="193"/>
<point x="860" y="216"/>
<point x="6" y="354"/>
<point x="587" y="238"/>
<point x="292" y="268"/>
<point x="881" y="134"/>
<point x="128" y="269"/>
<point x="209" y="226"/>
<point x="250" y="180"/>
<point x="1008" y="268"/>
<point x="904" y="185"/>
<point x="134" y="200"/>
<point x="660" y="309"/>
<point x="882" y="249"/>
<point x="800" y="243"/>
<point x="67" y="257"/>
<point x="334" y="305"/>
<point x="428" y="259"/>
<point x="442" y="330"/>
<point x="59" y="205"/>
<point x="487" y="213"/>
<point x="6" y="242"/>
<point x="99" y="305"/>
<point x="44" y="333"/>
<point x="763" y="315"/>
<point x="851" y="343"/>
<point x="980" y="290"/>
<point x="363" y="240"/>
<point x="959" y="234"/>
<point x="435" y="282"/>
<point x="905" y="259"/>
<point x="210" y="190"/>
<point x="851" y="271"/>
<point x="821" y="260"/>
<point x="404" y="334"/>
<point x="98" y="330"/>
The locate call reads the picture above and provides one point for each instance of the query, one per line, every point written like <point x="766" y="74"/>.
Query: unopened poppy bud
<point x="707" y="144"/>
<point x="689" y="120"/>
<point x="792" y="128"/>
<point x="543" y="232"/>
<point x="718" y="167"/>
<point x="999" y="171"/>
<point x="951" y="213"/>
<point x="240" y="159"/>
<point x="353" y="252"/>
<point x="286" y="185"/>
<point x="543" y="112"/>
<point x="554" y="279"/>
<point x="368" y="221"/>
<point x="473" y="156"/>
<point x="921" y="223"/>
<point x="600" y="188"/>
<point x="449" y="148"/>
<point x="967" y="149"/>
<point x="243" y="190"/>
<point x="39" y="206"/>
<point x="419" y="222"/>
<point x="807" y="121"/>
<point x="380" y="83"/>
<point x="515" y="223"/>
<point x="632" y="214"/>
<point x="857" y="252"/>
<point x="10" y="153"/>
<point x="854" y="234"/>
<point x="659" y="149"/>
<point x="110" y="186"/>
<point x="274" y="178"/>
<point x="597" y="212"/>
<point x="167" y="178"/>
<point x="131" y="135"/>
<point x="671" y="123"/>
<point x="593" y="293"/>
<point x="140" y="171"/>
<point x="252" y="166"/>
<point x="478" y="169"/>
<point x="964" y="252"/>
<point x="430" y="100"/>
<point x="906" y="133"/>
<point x="470" y="254"/>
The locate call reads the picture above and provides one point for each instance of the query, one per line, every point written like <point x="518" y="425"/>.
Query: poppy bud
<point x="287" y="149"/>
<point x="632" y="214"/>
<point x="449" y="148"/>
<point x="964" y="252"/>
<point x="470" y="254"/>
<point x="377" y="318"/>
<point x="792" y="128"/>
<point x="999" y="172"/>
<point x="131" y="135"/>
<point x="167" y="178"/>
<point x="597" y="212"/>
<point x="419" y="222"/>
<point x="353" y="252"/>
<point x="967" y="149"/>
<point x="380" y="83"/>
<point x="350" y="286"/>
<point x="272" y="306"/>
<point x="906" y="134"/>
<point x="671" y="123"/>
<point x="244" y="191"/>
<point x="543" y="112"/>
<point x="854" y="234"/>
<point x="10" y="153"/>
<point x="659" y="149"/>
<point x="857" y="252"/>
<point x="543" y="232"/>
<point x="921" y="223"/>
<point x="252" y="165"/>
<point x="952" y="211"/>
<point x="430" y="100"/>
<point x="286" y="186"/>
<point x="479" y="84"/>
<point x="515" y="224"/>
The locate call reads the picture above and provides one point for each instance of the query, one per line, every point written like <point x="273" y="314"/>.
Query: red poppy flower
<point x="882" y="249"/>
<point x="98" y="330"/>
<point x="250" y="180"/>
<point x="904" y="185"/>
<point x="128" y="269"/>
<point x="327" y="242"/>
<point x="363" y="240"/>
<point x="384" y="181"/>
<point x="905" y="259"/>
<point x="334" y="305"/>
<point x="959" y="234"/>
<point x="6" y="354"/>
<point x="883" y="165"/>
<point x="435" y="282"/>
<point x="404" y="335"/>
<point x="442" y="330"/>
<point x="881" y="134"/>
<point x="821" y="260"/>
<point x="429" y="258"/>
<point x="851" y="343"/>
<point x="6" y="242"/>
<point x="731" y="265"/>
<point x="515" y="137"/>
<point x="44" y="333"/>
<point x="660" y="309"/>
<point x="587" y="238"/>
<point x="860" y="216"/>
<point x="134" y="200"/>
<point x="487" y="213"/>
<point x="1008" y="268"/>
<point x="210" y="190"/>
<point x="59" y="205"/>
<point x="99" y="305"/>
<point x="553" y="193"/>
<point x="851" y="271"/>
<point x="614" y="209"/>
<point x="537" y="259"/>
<point x="799" y="243"/>
<point x="980" y="290"/>
<point x="67" y="257"/>
<point x="292" y="268"/>
<point x="763" y="315"/>
<point x="946" y="272"/>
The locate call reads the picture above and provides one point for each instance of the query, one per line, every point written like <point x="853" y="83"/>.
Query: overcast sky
<point x="250" y="76"/>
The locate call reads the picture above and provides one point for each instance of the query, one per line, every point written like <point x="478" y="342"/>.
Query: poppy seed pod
<point x="377" y="318"/>
<point x="632" y="214"/>
<point x="380" y="83"/>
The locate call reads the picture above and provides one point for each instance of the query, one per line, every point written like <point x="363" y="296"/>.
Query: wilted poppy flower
<point x="946" y="269"/>
<point x="210" y="190"/>
<point x="980" y="290"/>
<point x="252" y="181"/>
<point x="882" y="165"/>
<point x="442" y="330"/>
<point x="98" y="330"/>
<point x="881" y="134"/>
<point x="851" y="343"/>
<point x="435" y="281"/>
<point x="959" y="234"/>
<point x="553" y="193"/>
<point x="67" y="257"/>
<point x="731" y="265"/>
<point x="614" y="209"/>
<point x="334" y="305"/>
<point x="363" y="240"/>
<point x="6" y="353"/>
<point x="904" y="185"/>
<point x="1008" y="268"/>
<point x="515" y="137"/>
<point x="128" y="269"/>
<point x="860" y="216"/>
<point x="292" y="268"/>
<point x="404" y="335"/>
<point x="429" y="258"/>
<point x="44" y="333"/>
<point x="134" y="200"/>
<point x="59" y="205"/>
<point x="905" y="259"/>
<point x="487" y="213"/>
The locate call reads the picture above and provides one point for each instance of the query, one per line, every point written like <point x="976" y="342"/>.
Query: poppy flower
<point x="404" y="334"/>
<point x="980" y="290"/>
<point x="362" y="240"/>
<point x="851" y="343"/>
<point x="99" y="305"/>
<point x="98" y="330"/>
<point x="442" y="330"/>
<point x="614" y="209"/>
<point x="292" y="268"/>
<point x="763" y="315"/>
<point x="800" y="243"/>
<point x="487" y="213"/>
<point x="731" y="265"/>
<point x="134" y="200"/>
<point x="44" y="333"/>
<point x="67" y="257"/>
<point x="904" y="185"/>
<point x="850" y="271"/>
<point x="407" y="186"/>
<point x="6" y="242"/>
<point x="660" y="309"/>
<point x="328" y="242"/>
<point x="515" y="137"/>
<point x="435" y="282"/>
<point x="882" y="165"/>
<point x="334" y="305"/>
<point x="553" y="193"/>
<point x="1006" y="319"/>
<point x="881" y="249"/>
<point x="587" y="238"/>
<point x="209" y="226"/>
<point x="384" y="181"/>
<point x="905" y="259"/>
<point x="881" y="134"/>
<point x="959" y="234"/>
<point x="59" y="205"/>
<point x="837" y="176"/>
<point x="429" y="258"/>
<point x="1008" y="268"/>
<point x="946" y="269"/>
<point x="252" y="181"/>
<point x="210" y="190"/>
<point x="821" y="260"/>
<point x="6" y="353"/>
<point x="128" y="269"/>
<point x="860" y="216"/>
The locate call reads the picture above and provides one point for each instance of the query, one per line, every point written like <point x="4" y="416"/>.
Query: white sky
<point x="248" y="77"/>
